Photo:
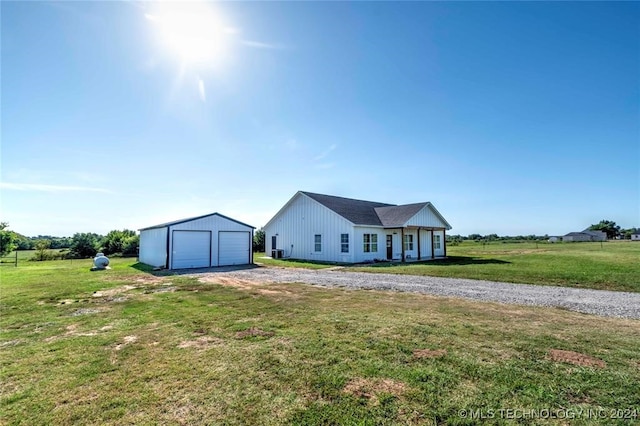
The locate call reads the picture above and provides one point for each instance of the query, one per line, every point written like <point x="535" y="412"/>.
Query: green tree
<point x="115" y="241"/>
<point x="7" y="239"/>
<point x="131" y="245"/>
<point x="41" y="247"/>
<point x="258" y="240"/>
<point x="22" y="242"/>
<point x="608" y="226"/>
<point x="85" y="245"/>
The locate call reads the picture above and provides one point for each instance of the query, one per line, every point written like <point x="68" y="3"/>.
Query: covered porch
<point x="415" y="243"/>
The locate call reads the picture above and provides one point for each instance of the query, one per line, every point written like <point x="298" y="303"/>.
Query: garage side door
<point x="233" y="248"/>
<point x="191" y="249"/>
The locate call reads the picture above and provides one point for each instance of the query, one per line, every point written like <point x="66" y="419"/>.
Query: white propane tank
<point x="100" y="261"/>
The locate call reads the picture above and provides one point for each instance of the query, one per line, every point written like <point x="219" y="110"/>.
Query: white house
<point x="336" y="229"/>
<point x="585" y="235"/>
<point x="197" y="242"/>
<point x="635" y="236"/>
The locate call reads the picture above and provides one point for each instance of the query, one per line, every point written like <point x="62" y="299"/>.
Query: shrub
<point x="50" y="255"/>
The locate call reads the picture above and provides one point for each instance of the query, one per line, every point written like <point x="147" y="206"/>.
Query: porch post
<point x="419" y="254"/>
<point x="444" y="241"/>
<point x="402" y="243"/>
<point x="433" y="252"/>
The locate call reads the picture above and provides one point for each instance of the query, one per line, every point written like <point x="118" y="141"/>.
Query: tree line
<point x="609" y="227"/>
<point x="81" y="245"/>
<point x="126" y="242"/>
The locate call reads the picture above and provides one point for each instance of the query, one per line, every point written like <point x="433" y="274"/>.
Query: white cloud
<point x="50" y="188"/>
<point x="326" y="152"/>
<point x="261" y="45"/>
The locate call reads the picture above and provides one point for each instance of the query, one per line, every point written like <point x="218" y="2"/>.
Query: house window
<point x="344" y="243"/>
<point x="408" y="242"/>
<point x="318" y="243"/>
<point x="436" y="241"/>
<point x="370" y="243"/>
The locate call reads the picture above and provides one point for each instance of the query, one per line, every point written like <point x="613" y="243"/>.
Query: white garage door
<point x="233" y="248"/>
<point x="191" y="249"/>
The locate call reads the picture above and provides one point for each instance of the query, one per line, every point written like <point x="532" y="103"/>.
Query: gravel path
<point x="598" y="302"/>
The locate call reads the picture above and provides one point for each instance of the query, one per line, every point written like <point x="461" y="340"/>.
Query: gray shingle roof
<point x="362" y="212"/>
<point x="398" y="215"/>
<point x="359" y="212"/>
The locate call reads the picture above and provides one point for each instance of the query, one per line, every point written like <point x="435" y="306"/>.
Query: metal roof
<point x="176" y="222"/>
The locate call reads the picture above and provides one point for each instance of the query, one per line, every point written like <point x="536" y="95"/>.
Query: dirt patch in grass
<point x="140" y="280"/>
<point x="575" y="358"/>
<point x="429" y="353"/>
<point x="72" y="331"/>
<point x="10" y="343"/>
<point x="113" y="291"/>
<point x="275" y="292"/>
<point x="202" y="342"/>
<point x="68" y="301"/>
<point x="84" y="311"/>
<point x="149" y="280"/>
<point x="126" y="341"/>
<point x="262" y="287"/>
<point x="371" y="389"/>
<point x="229" y="281"/>
<point x="162" y="289"/>
<point x="253" y="332"/>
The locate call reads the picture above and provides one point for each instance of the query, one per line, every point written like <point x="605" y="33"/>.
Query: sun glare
<point x="193" y="31"/>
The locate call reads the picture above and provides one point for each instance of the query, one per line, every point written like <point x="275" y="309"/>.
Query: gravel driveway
<point x="598" y="302"/>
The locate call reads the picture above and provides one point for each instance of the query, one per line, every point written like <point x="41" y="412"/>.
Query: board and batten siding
<point x="212" y="223"/>
<point x="295" y="228"/>
<point x="426" y="218"/>
<point x="381" y="253"/>
<point x="153" y="247"/>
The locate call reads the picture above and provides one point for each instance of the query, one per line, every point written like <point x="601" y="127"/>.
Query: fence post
<point x="16" y="258"/>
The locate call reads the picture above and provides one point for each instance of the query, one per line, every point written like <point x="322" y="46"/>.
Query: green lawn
<point x="261" y="259"/>
<point x="127" y="347"/>
<point x="613" y="265"/>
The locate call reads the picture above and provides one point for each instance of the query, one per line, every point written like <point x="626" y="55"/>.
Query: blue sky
<point x="512" y="118"/>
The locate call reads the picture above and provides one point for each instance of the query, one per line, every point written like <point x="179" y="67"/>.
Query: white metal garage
<point x="199" y="242"/>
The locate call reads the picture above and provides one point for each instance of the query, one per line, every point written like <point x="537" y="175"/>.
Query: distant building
<point x="585" y="235"/>
<point x="635" y="236"/>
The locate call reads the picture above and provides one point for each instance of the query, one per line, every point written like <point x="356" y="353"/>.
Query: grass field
<point x="613" y="265"/>
<point x="24" y="256"/>
<point x="127" y="347"/>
